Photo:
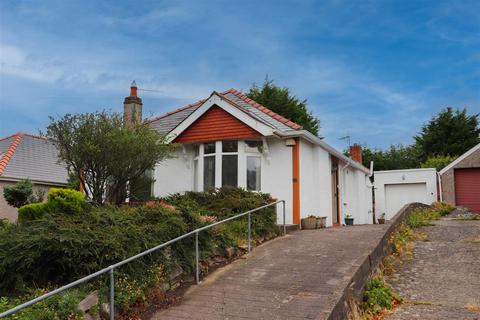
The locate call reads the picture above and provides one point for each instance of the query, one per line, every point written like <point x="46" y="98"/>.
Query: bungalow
<point x="228" y="139"/>
<point x="25" y="156"/>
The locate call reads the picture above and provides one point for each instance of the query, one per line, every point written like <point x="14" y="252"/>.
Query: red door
<point x="467" y="188"/>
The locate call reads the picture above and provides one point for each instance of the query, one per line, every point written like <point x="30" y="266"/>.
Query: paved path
<point x="300" y="276"/>
<point x="443" y="279"/>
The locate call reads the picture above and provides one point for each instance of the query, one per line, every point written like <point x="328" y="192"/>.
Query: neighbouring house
<point x="25" y="156"/>
<point x="460" y="180"/>
<point x="396" y="188"/>
<point x="228" y="139"/>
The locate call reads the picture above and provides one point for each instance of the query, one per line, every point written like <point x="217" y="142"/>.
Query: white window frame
<point x="241" y="166"/>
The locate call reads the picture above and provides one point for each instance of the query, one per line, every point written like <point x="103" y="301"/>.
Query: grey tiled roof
<point x="33" y="157"/>
<point x="260" y="115"/>
<point x="166" y="123"/>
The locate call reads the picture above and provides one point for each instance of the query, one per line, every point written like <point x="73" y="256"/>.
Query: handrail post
<point x="112" y="295"/>
<point x="249" y="232"/>
<point x="284" y="226"/>
<point x="197" y="271"/>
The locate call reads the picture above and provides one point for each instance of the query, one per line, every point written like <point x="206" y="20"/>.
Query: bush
<point x="66" y="201"/>
<point x="18" y="194"/>
<point x="61" y="248"/>
<point x="378" y="296"/>
<point x="443" y="208"/>
<point x="31" y="212"/>
<point x="226" y="202"/>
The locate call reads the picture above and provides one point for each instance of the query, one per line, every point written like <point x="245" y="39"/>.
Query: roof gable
<point x="216" y="124"/>
<point x="460" y="159"/>
<point x="166" y="123"/>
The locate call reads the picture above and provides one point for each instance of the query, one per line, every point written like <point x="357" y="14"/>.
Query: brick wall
<point x="448" y="178"/>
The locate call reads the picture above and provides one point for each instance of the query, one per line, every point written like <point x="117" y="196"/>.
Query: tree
<point x="438" y="162"/>
<point x="19" y="194"/>
<point x="396" y="157"/>
<point x="104" y="154"/>
<point x="281" y="101"/>
<point x="449" y="133"/>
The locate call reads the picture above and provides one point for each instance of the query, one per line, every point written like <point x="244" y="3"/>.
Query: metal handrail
<point x="110" y="269"/>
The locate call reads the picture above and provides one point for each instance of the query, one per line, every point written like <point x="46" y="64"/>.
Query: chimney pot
<point x="133" y="89"/>
<point x="356" y="152"/>
<point x="132" y="107"/>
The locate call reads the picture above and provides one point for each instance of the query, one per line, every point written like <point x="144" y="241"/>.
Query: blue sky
<point x="376" y="70"/>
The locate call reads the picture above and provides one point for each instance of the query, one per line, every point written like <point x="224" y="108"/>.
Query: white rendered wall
<point x="408" y="176"/>
<point x="315" y="182"/>
<point x="174" y="175"/>
<point x="355" y="194"/>
<point x="277" y="175"/>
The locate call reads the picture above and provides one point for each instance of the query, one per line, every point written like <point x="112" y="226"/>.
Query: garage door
<point x="467" y="188"/>
<point x="398" y="195"/>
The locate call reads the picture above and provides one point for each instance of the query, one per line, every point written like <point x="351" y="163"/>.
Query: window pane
<point x="230" y="170"/>
<point x="208" y="173"/>
<point x="209" y="147"/>
<point x="195" y="175"/>
<point x="253" y="146"/>
<point x="229" y="146"/>
<point x="253" y="173"/>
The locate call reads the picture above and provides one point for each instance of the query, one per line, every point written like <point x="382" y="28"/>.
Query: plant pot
<point x="349" y="221"/>
<point x="381" y="220"/>
<point x="309" y="223"/>
<point x="321" y="222"/>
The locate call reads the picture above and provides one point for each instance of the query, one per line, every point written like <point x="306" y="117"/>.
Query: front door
<point x="335" y="193"/>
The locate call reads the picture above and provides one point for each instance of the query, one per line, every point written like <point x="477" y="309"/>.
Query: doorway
<point x="335" y="192"/>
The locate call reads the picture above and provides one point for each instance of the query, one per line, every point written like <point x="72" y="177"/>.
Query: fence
<point x="110" y="269"/>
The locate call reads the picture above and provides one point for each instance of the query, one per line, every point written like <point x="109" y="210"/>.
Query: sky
<point x="373" y="70"/>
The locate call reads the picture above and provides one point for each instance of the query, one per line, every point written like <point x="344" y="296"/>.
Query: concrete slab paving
<point x="442" y="280"/>
<point x="299" y="276"/>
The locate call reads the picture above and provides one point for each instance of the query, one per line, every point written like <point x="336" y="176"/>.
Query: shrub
<point x="61" y="248"/>
<point x="226" y="202"/>
<point x="18" y="194"/>
<point x="443" y="208"/>
<point x="66" y="201"/>
<point x="378" y="296"/>
<point x="32" y="211"/>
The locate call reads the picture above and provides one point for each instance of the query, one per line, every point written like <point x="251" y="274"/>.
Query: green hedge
<point x="31" y="212"/>
<point x="66" y="201"/>
<point x="63" y="244"/>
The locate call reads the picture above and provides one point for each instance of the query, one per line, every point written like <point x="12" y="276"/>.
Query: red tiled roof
<point x="10" y="151"/>
<point x="264" y="109"/>
<point x="240" y="95"/>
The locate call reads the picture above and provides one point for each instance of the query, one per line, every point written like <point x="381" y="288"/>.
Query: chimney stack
<point x="356" y="152"/>
<point x="132" y="107"/>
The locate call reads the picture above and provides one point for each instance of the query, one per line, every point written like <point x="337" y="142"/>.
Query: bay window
<point x="227" y="163"/>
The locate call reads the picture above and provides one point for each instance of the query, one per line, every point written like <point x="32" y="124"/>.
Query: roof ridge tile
<point x="5" y="159"/>
<point x="273" y="114"/>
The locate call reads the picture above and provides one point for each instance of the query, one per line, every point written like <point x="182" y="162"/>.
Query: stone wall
<point x="448" y="178"/>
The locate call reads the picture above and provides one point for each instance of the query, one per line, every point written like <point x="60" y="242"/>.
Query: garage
<point x="396" y="188"/>
<point x="460" y="180"/>
<point x="398" y="195"/>
<point x="467" y="188"/>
